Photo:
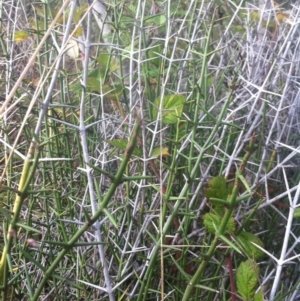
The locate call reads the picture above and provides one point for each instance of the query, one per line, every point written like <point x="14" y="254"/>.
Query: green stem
<point x="27" y="175"/>
<point x="93" y="219"/>
<point x="222" y="229"/>
<point x="178" y="204"/>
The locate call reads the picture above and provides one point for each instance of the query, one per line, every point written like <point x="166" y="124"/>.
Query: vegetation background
<point x="150" y="150"/>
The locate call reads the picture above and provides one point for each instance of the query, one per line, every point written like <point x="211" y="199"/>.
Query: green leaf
<point x="213" y="221"/>
<point x="259" y="296"/>
<point x="216" y="192"/>
<point x="7" y="214"/>
<point x="297" y="213"/>
<point x="245" y="239"/>
<point x="217" y="188"/>
<point x="153" y="54"/>
<point x="210" y="81"/>
<point x="152" y="73"/>
<point x="160" y="151"/>
<point x="94" y="80"/>
<point x="20" y="36"/>
<point x="122" y="144"/>
<point x="158" y="20"/>
<point x="247" y="277"/>
<point x="95" y="83"/>
<point x="231" y="226"/>
<point x="172" y="107"/>
<point x="103" y="63"/>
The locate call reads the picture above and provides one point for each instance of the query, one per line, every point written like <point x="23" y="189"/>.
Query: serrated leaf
<point x="297" y="213"/>
<point x="153" y="54"/>
<point x="103" y="59"/>
<point x="245" y="239"/>
<point x="259" y="296"/>
<point x="153" y="73"/>
<point x="94" y="80"/>
<point x="113" y="93"/>
<point x="219" y="208"/>
<point x="132" y="9"/>
<point x="156" y="19"/>
<point x="171" y="108"/>
<point x="213" y="221"/>
<point x="160" y="151"/>
<point x="20" y="36"/>
<point x="122" y="144"/>
<point x="231" y="226"/>
<point x="247" y="277"/>
<point x="96" y="84"/>
<point x="217" y="189"/>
